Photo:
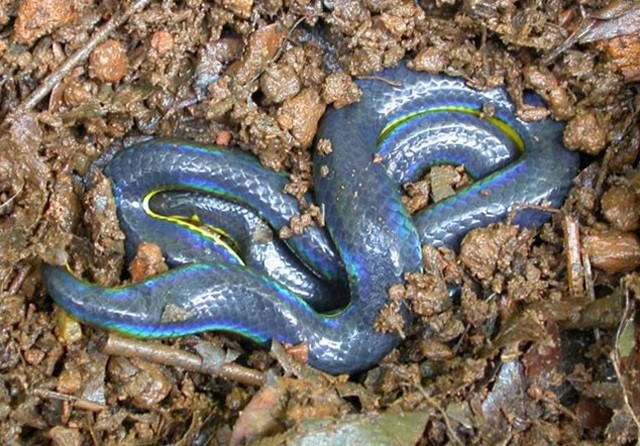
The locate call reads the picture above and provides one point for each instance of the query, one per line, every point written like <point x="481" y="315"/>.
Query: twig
<point x="63" y="70"/>
<point x="381" y="79"/>
<point x="291" y="366"/>
<point x="513" y="212"/>
<point x="453" y="436"/>
<point x="79" y="403"/>
<point x="290" y="33"/>
<point x="164" y="354"/>
<point x="13" y="197"/>
<point x="18" y="280"/>
<point x="575" y="271"/>
<point x="588" y="278"/>
<point x="616" y="358"/>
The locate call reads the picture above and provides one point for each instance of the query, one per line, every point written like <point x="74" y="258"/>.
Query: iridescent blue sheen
<point x="394" y="133"/>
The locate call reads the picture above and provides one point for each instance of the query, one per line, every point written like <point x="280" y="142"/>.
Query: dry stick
<point x="65" y="68"/>
<point x="616" y="359"/>
<point x="513" y="212"/>
<point x="589" y="288"/>
<point x="13" y="197"/>
<point x="575" y="271"/>
<point x="436" y="405"/>
<point x="293" y="367"/>
<point x="381" y="79"/>
<point x="79" y="403"/>
<point x="164" y="354"/>
<point x="18" y="280"/>
<point x="588" y="278"/>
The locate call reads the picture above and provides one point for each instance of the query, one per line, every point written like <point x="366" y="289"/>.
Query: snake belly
<point x="397" y="130"/>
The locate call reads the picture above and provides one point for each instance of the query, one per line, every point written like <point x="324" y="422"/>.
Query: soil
<point x="540" y="346"/>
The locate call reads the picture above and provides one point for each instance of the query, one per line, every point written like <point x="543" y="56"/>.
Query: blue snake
<point x="245" y="280"/>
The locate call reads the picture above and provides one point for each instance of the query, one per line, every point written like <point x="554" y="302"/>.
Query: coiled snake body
<point x="398" y="129"/>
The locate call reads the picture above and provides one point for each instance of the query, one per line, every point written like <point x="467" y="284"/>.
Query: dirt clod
<point x="109" y="62"/>
<point x="300" y="115"/>
<point x="483" y="249"/>
<point x="69" y="382"/>
<point x="621" y="208"/>
<point x="624" y="52"/>
<point x="37" y="18"/>
<point x="340" y="90"/>
<point x="280" y="83"/>
<point x="148" y="262"/>
<point x="548" y="86"/>
<point x="512" y="358"/>
<point x="162" y="42"/>
<point x="61" y="436"/>
<point x="585" y="133"/>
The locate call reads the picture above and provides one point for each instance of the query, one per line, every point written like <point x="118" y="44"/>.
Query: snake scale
<point x="251" y="283"/>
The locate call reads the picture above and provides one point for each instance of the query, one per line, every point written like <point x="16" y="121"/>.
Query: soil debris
<point x="613" y="252"/>
<point x="520" y="354"/>
<point x="108" y="62"/>
<point x="621" y="207"/>
<point x="624" y="52"/>
<point x="586" y="134"/>
<point x="37" y="18"/>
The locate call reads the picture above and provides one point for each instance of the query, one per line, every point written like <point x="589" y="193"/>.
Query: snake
<point x="179" y="194"/>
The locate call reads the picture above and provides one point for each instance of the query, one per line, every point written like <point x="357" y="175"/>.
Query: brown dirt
<point x="524" y="356"/>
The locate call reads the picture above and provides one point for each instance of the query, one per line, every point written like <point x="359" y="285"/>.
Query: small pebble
<point x="34" y="356"/>
<point x="223" y="138"/>
<point x="436" y="351"/>
<point x="69" y="329"/>
<point x="77" y="93"/>
<point x="482" y="249"/>
<point x="108" y="62"/>
<point x="547" y="86"/>
<point x="162" y="42"/>
<point x="69" y="382"/>
<point x="148" y="387"/>
<point x="12" y="310"/>
<point x="148" y="262"/>
<point x="417" y="197"/>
